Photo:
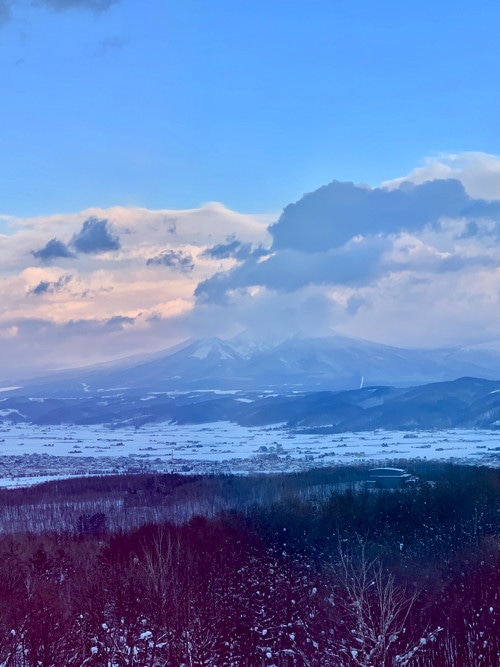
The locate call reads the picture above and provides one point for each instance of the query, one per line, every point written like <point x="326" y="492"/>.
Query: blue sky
<point x="151" y="151"/>
<point x="170" y="104"/>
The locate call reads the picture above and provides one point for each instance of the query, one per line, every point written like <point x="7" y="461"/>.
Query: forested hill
<point x="316" y="570"/>
<point x="462" y="403"/>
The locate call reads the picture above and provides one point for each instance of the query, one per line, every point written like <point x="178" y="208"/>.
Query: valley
<point x="31" y="453"/>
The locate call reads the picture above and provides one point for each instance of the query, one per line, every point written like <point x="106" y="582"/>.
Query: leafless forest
<point x="311" y="569"/>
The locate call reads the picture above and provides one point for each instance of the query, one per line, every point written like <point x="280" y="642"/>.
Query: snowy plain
<point x="31" y="454"/>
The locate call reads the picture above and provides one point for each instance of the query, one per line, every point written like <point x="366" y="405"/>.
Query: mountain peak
<point x="296" y="363"/>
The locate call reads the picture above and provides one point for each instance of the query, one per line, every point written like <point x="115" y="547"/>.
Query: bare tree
<point x="374" y="613"/>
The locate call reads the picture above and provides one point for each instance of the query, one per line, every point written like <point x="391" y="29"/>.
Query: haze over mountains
<point x="294" y="364"/>
<point x="335" y="382"/>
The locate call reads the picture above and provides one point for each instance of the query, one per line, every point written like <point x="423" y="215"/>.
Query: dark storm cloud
<point x="330" y="216"/>
<point x="174" y="259"/>
<point x="52" y="250"/>
<point x="95" y="237"/>
<point x="47" y="287"/>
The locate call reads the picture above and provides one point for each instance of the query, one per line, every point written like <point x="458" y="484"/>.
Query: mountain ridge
<point x="462" y="403"/>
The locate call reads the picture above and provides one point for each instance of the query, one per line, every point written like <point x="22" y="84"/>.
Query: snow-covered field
<point x="29" y="454"/>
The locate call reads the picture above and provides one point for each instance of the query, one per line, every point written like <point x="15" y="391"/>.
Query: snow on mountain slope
<point x="214" y="348"/>
<point x="301" y="364"/>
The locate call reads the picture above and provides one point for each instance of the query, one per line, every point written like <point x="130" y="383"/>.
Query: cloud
<point x="411" y="254"/>
<point x="95" y="237"/>
<point x="338" y="249"/>
<point x="266" y="313"/>
<point x="330" y="216"/>
<point x="171" y="225"/>
<point x="288" y="270"/>
<point x="47" y="287"/>
<point x="359" y="262"/>
<point x="471" y="230"/>
<point x="234" y="249"/>
<point x="430" y="310"/>
<point x="345" y="234"/>
<point x="52" y="250"/>
<point x="478" y="172"/>
<point x="412" y="264"/>
<point x="68" y="344"/>
<point x="6" y="6"/>
<point x="63" y="5"/>
<point x="177" y="260"/>
<point x="5" y="11"/>
<point x="116" y="304"/>
<point x="225" y="250"/>
<point x="111" y="44"/>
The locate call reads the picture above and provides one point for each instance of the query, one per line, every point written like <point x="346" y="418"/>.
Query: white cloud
<point x="478" y="172"/>
<point x="428" y="309"/>
<point x="91" y="306"/>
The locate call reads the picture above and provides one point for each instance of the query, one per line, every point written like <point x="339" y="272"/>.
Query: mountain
<point x="332" y="383"/>
<point x="295" y="364"/>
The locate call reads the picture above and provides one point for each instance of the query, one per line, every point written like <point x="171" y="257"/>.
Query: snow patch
<point x="10" y="411"/>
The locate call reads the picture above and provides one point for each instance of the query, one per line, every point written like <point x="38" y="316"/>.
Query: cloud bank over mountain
<point x="414" y="262"/>
<point x="85" y="287"/>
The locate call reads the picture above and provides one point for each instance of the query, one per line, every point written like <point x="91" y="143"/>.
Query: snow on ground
<point x="31" y="453"/>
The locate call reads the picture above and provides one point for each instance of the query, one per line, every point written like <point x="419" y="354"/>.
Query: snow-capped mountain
<point x="294" y="364"/>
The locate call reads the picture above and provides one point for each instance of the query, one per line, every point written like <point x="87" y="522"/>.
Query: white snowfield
<point x="30" y="454"/>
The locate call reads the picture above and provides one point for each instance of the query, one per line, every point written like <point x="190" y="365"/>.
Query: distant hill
<point x="462" y="403"/>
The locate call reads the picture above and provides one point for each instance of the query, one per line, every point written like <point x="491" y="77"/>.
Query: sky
<point x="155" y="156"/>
